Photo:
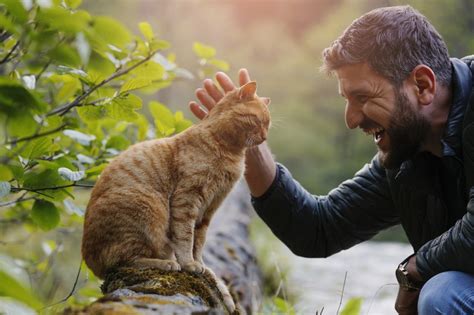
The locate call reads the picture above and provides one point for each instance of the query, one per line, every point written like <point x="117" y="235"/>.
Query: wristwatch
<point x="404" y="279"/>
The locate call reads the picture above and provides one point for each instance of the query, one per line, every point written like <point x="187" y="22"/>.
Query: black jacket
<point x="427" y="195"/>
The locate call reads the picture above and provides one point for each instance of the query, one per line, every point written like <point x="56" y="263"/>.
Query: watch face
<point x="401" y="278"/>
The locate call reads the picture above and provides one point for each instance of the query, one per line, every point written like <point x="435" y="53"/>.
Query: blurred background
<point x="280" y="43"/>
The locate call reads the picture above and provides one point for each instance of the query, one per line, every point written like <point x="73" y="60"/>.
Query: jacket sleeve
<point x="452" y="250"/>
<point x="319" y="226"/>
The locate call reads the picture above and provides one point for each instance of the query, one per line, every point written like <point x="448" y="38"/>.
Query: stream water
<point x="370" y="268"/>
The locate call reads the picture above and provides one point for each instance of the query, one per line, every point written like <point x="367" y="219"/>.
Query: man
<point x="401" y="87"/>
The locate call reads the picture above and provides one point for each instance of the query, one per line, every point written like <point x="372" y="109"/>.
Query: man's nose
<point x="354" y="116"/>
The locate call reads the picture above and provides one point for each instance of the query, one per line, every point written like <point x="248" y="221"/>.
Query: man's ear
<point x="425" y="84"/>
<point x="248" y="91"/>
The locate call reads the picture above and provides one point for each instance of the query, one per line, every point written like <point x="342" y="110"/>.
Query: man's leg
<point x="450" y="292"/>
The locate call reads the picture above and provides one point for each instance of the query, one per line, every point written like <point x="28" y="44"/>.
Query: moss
<point x="166" y="283"/>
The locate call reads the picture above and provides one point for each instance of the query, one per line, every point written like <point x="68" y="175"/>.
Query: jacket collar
<point x="462" y="85"/>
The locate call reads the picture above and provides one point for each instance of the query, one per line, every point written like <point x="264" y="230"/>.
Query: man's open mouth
<point x="377" y="133"/>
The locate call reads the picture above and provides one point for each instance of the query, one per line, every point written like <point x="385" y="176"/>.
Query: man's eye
<point x="362" y="98"/>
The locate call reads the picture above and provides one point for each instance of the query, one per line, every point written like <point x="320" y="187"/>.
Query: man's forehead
<point x="356" y="78"/>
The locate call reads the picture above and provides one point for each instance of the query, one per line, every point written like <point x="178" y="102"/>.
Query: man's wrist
<point x="407" y="275"/>
<point x="260" y="169"/>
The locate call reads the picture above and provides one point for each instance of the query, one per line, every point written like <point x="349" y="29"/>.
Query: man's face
<point x="382" y="111"/>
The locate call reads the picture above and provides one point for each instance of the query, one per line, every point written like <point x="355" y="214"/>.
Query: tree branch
<point x="17" y="189"/>
<point x="6" y="58"/>
<point x="37" y="135"/>
<point x="62" y="110"/>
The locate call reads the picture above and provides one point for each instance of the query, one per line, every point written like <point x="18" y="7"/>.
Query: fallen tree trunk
<point x="227" y="252"/>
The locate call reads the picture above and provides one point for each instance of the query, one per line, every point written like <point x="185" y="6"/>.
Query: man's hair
<point x="393" y="41"/>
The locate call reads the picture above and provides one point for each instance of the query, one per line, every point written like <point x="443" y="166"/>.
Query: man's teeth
<point x="375" y="132"/>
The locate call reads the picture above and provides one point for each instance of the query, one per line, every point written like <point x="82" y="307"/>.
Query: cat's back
<point x="145" y="165"/>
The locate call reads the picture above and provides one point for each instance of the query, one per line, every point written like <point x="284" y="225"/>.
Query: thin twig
<point x="37" y="135"/>
<point x="62" y="110"/>
<point x="38" y="76"/>
<point x="5" y="59"/>
<point x="375" y="295"/>
<point x="342" y="293"/>
<point x="19" y="199"/>
<point x="70" y="293"/>
<point x="17" y="189"/>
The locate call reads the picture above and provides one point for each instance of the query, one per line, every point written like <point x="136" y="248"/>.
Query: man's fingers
<point x="212" y="90"/>
<point x="244" y="76"/>
<point x="205" y="99"/>
<point x="197" y="110"/>
<point x="225" y="82"/>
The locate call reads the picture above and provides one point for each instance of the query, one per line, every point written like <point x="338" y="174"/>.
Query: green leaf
<point x="68" y="86"/>
<point x="146" y="30"/>
<point x="64" y="20"/>
<point x="9" y="286"/>
<point x="44" y="179"/>
<point x="142" y="124"/>
<point x="73" y="4"/>
<point x="161" y="113"/>
<point x="135" y="84"/>
<point x="219" y="64"/>
<point x="123" y="107"/>
<point x="181" y="123"/>
<point x="7" y="23"/>
<point x="118" y="142"/>
<point x="159" y="44"/>
<point x="204" y="51"/>
<point x="99" y="67"/>
<point x="16" y="9"/>
<point x="21" y="125"/>
<point x="47" y="178"/>
<point x="36" y="148"/>
<point x="5" y="173"/>
<point x="283" y="306"/>
<point x="45" y="215"/>
<point x="352" y="307"/>
<point x="150" y="70"/>
<point x="5" y="188"/>
<point x="96" y="170"/>
<point x="65" y="55"/>
<point x="91" y="114"/>
<point x="14" y="97"/>
<point x="111" y="31"/>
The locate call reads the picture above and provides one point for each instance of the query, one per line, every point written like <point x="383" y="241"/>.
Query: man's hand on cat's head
<point x="211" y="94"/>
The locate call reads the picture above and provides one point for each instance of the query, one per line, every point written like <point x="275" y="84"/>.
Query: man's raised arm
<point x="260" y="166"/>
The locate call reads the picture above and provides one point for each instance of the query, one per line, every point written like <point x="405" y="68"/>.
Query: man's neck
<point x="438" y="116"/>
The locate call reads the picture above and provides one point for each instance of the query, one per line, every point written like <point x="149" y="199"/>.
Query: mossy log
<point x="227" y="252"/>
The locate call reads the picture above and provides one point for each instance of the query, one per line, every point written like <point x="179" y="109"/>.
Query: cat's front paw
<point x="172" y="266"/>
<point x="194" y="266"/>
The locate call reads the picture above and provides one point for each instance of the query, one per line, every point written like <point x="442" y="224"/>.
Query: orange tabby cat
<point x="152" y="205"/>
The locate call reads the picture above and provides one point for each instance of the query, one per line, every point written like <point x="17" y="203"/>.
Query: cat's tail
<point x="226" y="296"/>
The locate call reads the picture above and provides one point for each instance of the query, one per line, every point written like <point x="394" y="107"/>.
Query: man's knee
<point x="450" y="292"/>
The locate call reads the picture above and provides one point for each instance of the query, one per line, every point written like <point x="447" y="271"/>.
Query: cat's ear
<point x="247" y="91"/>
<point x="266" y="100"/>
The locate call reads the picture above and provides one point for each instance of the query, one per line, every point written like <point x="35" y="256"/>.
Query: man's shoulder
<point x="468" y="59"/>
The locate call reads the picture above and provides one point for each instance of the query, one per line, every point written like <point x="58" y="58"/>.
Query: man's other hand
<point x="210" y="94"/>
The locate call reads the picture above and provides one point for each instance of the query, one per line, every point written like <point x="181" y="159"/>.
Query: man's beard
<point x="407" y="131"/>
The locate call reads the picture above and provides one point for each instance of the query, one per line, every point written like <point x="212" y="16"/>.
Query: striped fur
<point x="152" y="205"/>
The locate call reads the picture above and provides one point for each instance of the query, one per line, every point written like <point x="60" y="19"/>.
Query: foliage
<point x="352" y="307"/>
<point x="72" y="89"/>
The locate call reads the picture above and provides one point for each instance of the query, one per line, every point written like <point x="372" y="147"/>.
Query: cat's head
<point x="243" y="115"/>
